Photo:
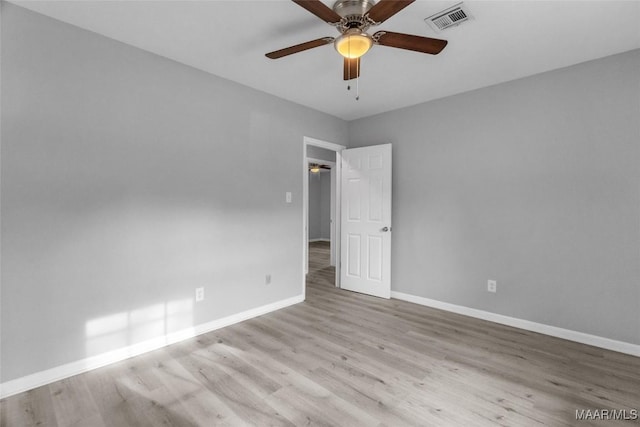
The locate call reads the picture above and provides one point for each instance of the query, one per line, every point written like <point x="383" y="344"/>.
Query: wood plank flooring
<point x="345" y="359"/>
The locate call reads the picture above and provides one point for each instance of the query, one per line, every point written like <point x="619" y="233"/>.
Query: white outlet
<point x="267" y="279"/>
<point x="287" y="197"/>
<point x="492" y="286"/>
<point x="199" y="294"/>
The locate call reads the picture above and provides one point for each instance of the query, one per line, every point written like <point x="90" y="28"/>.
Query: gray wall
<point x="320" y="195"/>
<point x="320" y="205"/>
<point x="314" y="206"/>
<point x="128" y="180"/>
<point x="325" y="205"/>
<point x="319" y="153"/>
<point x="534" y="183"/>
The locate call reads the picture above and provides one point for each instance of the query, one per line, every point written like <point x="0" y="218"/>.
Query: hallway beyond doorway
<point x="320" y="270"/>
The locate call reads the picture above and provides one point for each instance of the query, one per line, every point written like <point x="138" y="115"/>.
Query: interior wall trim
<point x="567" y="334"/>
<point x="28" y="382"/>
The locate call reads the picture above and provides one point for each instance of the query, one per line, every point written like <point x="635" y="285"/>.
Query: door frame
<point x="305" y="205"/>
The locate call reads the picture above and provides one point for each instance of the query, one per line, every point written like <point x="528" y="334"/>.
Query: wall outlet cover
<point x="492" y="285"/>
<point x="199" y="294"/>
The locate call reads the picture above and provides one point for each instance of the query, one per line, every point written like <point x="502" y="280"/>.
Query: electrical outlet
<point x="492" y="286"/>
<point x="267" y="279"/>
<point x="199" y="294"/>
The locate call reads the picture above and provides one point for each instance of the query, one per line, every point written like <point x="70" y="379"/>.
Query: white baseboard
<point x="48" y="376"/>
<point x="567" y="334"/>
<point x="319" y="240"/>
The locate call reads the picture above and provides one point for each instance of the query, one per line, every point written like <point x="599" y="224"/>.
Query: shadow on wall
<point x="149" y="253"/>
<point x="124" y="329"/>
<point x="114" y="282"/>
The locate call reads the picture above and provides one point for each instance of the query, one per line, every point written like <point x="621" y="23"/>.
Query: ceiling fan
<point x="316" y="167"/>
<point x="352" y="19"/>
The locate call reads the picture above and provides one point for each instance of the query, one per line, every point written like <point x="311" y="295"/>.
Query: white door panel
<point x="366" y="220"/>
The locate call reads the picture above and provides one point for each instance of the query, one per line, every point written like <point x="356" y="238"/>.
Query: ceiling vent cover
<point x="453" y="16"/>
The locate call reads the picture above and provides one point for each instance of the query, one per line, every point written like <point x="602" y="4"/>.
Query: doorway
<point x="322" y="236"/>
<point x="320" y="218"/>
<point x="321" y="205"/>
<point x="361" y="217"/>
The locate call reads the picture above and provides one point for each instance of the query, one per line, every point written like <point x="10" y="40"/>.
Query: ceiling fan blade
<point x="320" y="10"/>
<point x="351" y="68"/>
<point x="299" y="48"/>
<point x="410" y="42"/>
<point x="385" y="9"/>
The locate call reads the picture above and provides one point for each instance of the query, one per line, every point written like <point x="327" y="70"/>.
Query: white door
<point x="366" y="220"/>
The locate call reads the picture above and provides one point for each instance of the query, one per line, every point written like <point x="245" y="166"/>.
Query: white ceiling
<point x="505" y="41"/>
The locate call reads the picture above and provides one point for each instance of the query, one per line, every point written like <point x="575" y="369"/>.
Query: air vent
<point x="450" y="17"/>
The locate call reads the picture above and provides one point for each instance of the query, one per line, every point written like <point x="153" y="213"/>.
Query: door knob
<point x="385" y="229"/>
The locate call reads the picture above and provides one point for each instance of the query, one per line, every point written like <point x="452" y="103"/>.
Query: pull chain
<point x="357" y="74"/>
<point x="358" y="80"/>
<point x="349" y="68"/>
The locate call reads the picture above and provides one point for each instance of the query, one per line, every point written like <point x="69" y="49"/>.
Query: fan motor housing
<point x="353" y="11"/>
<point x="346" y="8"/>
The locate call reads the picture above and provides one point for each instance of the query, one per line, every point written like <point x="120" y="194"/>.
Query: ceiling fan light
<point x="353" y="44"/>
<point x="314" y="169"/>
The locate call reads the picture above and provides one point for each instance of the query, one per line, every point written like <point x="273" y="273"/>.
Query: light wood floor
<point x="344" y="359"/>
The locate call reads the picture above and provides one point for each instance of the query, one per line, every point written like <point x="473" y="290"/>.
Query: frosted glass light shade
<point x="353" y="44"/>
